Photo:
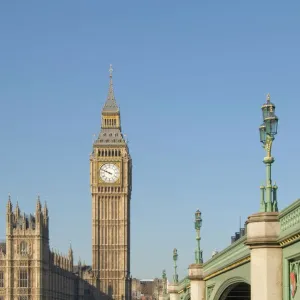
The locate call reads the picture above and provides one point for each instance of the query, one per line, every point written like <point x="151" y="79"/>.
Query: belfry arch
<point x="235" y="288"/>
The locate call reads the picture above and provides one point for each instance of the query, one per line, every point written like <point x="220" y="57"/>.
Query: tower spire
<point x="110" y="104"/>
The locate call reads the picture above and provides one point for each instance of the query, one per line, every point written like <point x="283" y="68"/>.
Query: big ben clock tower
<point x="110" y="179"/>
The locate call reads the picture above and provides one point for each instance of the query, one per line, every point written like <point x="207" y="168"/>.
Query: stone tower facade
<point x="110" y="180"/>
<point x="27" y="246"/>
<point x="29" y="270"/>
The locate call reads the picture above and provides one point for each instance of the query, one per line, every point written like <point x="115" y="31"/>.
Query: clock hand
<point x="107" y="172"/>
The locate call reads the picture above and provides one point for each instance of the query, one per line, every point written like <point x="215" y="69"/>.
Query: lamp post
<point x="198" y="224"/>
<point x="267" y="131"/>
<point x="175" y="257"/>
<point x="164" y="282"/>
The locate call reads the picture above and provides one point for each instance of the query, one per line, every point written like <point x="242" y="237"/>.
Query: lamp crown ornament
<point x="268" y="130"/>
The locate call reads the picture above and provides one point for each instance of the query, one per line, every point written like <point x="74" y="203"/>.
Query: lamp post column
<point x="173" y="288"/>
<point x="263" y="228"/>
<point x="196" y="269"/>
<point x="164" y="294"/>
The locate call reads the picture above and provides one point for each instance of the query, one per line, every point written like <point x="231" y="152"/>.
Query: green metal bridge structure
<point x="263" y="262"/>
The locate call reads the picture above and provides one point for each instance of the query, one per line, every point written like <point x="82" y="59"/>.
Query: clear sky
<point x="190" y="78"/>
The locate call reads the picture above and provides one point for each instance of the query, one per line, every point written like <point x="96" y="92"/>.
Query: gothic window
<point x="23" y="248"/>
<point x="23" y="278"/>
<point x="1" y="280"/>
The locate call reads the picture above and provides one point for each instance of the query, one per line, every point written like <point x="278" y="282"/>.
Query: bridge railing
<point x="290" y="220"/>
<point x="184" y="283"/>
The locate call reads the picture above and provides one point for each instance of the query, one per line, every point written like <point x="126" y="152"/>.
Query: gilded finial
<point x="110" y="70"/>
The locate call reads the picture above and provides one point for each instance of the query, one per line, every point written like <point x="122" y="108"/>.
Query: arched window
<point x="23" y="278"/>
<point x="23" y="248"/>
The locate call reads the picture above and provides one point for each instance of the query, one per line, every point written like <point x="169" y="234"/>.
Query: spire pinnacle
<point x="110" y="104"/>
<point x="268" y="97"/>
<point x="110" y="70"/>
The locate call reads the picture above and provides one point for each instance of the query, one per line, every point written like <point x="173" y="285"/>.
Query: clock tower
<point x="110" y="180"/>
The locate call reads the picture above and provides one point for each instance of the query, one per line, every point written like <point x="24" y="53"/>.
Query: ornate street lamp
<point x="267" y="132"/>
<point x="198" y="224"/>
<point x="175" y="257"/>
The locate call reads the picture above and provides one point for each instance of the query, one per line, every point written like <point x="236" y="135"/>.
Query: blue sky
<point x="190" y="78"/>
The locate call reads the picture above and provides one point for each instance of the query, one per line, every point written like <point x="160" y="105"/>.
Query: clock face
<point x="109" y="173"/>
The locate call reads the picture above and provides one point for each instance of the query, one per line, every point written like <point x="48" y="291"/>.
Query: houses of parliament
<point x="29" y="270"/>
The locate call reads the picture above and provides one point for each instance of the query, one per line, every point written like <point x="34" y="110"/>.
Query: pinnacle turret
<point x="9" y="204"/>
<point x="70" y="253"/>
<point x="38" y="204"/>
<point x="17" y="210"/>
<point x="45" y="210"/>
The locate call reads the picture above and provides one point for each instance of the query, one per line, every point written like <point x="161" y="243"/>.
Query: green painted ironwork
<point x="164" y="281"/>
<point x="290" y="219"/>
<point x="198" y="224"/>
<point x="175" y="257"/>
<point x="268" y="130"/>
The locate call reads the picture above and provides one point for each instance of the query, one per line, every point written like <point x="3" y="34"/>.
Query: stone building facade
<point x="29" y="270"/>
<point x="146" y="289"/>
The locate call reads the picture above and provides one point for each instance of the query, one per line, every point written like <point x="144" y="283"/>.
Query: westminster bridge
<point x="263" y="263"/>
